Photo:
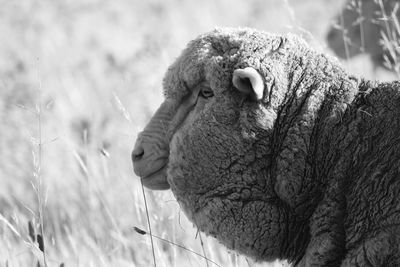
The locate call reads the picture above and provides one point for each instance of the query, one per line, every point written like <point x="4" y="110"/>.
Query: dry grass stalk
<point x="143" y="232"/>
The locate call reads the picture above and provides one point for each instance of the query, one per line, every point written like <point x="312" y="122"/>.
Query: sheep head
<point x="232" y="137"/>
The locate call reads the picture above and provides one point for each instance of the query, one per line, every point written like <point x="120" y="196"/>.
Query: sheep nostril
<point x="137" y="153"/>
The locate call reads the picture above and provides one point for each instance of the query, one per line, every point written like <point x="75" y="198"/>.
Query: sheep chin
<point x="157" y="180"/>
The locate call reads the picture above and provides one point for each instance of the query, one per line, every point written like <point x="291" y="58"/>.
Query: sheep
<point x="361" y="26"/>
<point x="273" y="149"/>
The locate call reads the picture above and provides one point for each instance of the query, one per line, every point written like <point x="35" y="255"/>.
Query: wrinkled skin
<point x="358" y="29"/>
<point x="308" y="173"/>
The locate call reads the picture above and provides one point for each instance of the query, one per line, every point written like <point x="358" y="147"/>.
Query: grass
<point x="390" y="37"/>
<point x="79" y="80"/>
<point x="372" y="27"/>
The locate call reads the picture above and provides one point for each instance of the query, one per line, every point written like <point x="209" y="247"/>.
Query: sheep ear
<point x="249" y="82"/>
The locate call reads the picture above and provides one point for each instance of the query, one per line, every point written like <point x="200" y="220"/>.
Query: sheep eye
<point x="206" y="92"/>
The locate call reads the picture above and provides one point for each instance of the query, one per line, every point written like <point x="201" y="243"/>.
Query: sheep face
<point x="211" y="141"/>
<point x="203" y="106"/>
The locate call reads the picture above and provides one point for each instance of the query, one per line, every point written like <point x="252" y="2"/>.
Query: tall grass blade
<point x="148" y="222"/>
<point x="143" y="232"/>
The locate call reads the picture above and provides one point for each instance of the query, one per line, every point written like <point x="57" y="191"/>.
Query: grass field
<point x="79" y="80"/>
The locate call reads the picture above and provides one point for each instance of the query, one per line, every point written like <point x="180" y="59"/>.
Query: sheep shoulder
<point x="374" y="168"/>
<point x="356" y="220"/>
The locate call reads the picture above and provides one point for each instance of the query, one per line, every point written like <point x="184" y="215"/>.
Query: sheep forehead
<point x="233" y="45"/>
<point x="229" y="41"/>
<point x="242" y="46"/>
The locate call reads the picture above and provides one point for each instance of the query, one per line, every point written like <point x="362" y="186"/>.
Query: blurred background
<point x="78" y="80"/>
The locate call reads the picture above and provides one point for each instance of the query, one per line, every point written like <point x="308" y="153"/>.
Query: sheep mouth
<point x="156" y="180"/>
